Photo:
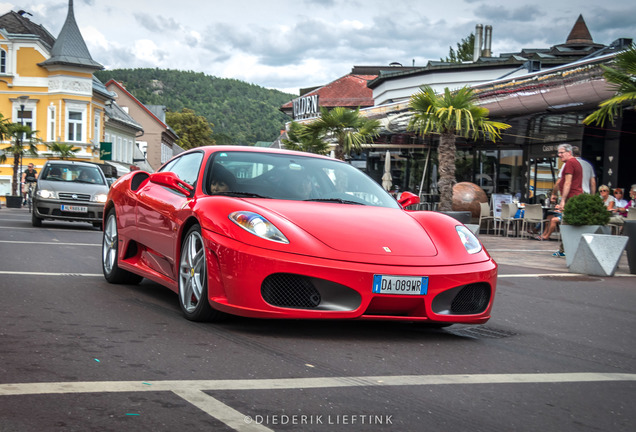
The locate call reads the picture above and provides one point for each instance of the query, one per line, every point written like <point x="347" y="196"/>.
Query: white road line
<point x="217" y="409"/>
<point x="15" y="389"/>
<point x="536" y="275"/>
<point x="50" y="243"/>
<point x="19" y="273"/>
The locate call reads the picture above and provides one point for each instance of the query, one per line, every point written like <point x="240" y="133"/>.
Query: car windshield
<point x="293" y="177"/>
<point x="72" y="173"/>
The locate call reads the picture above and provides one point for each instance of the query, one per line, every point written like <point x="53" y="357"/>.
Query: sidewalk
<point x="515" y="251"/>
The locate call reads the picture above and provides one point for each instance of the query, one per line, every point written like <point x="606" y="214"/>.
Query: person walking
<point x="570" y="183"/>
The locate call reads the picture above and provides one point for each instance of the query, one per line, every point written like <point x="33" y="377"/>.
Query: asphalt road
<point x="79" y="354"/>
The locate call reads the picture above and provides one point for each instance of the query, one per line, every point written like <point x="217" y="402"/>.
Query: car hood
<point x="359" y="229"/>
<point x="72" y="187"/>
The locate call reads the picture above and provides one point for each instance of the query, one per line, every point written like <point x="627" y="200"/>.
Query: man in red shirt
<point x="571" y="182"/>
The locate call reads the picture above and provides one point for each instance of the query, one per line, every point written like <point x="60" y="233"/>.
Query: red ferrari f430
<point x="271" y="233"/>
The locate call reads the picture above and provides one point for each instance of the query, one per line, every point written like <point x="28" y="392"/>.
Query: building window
<point x="50" y="133"/>
<point x="96" y="129"/>
<point x="3" y="61"/>
<point x="75" y="126"/>
<point x="25" y="117"/>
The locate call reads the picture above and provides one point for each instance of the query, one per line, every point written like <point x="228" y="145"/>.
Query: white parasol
<point x="386" y="177"/>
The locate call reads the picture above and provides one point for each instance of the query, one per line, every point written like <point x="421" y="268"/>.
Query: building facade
<point x="47" y="83"/>
<point x="158" y="141"/>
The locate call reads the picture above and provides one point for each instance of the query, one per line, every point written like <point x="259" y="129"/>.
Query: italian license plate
<point x="404" y="285"/>
<point x="74" y="208"/>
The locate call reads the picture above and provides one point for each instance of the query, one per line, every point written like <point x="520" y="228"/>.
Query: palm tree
<point x="16" y="132"/>
<point x="622" y="77"/>
<point x="346" y="126"/>
<point x="450" y="115"/>
<point x="64" y="151"/>
<point x="299" y="138"/>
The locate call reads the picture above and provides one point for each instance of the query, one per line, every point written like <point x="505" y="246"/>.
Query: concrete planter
<point x="598" y="254"/>
<point x="13" y="201"/>
<point x="571" y="236"/>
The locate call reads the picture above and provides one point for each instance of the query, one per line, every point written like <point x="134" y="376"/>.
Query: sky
<point x="289" y="45"/>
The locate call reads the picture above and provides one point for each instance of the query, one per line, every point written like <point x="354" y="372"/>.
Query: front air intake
<point x="471" y="299"/>
<point x="290" y="290"/>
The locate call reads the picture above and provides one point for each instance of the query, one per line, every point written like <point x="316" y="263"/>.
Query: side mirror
<point x="170" y="179"/>
<point x="408" y="199"/>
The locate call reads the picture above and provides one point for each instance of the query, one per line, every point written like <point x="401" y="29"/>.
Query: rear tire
<point x="110" y="255"/>
<point x="193" y="280"/>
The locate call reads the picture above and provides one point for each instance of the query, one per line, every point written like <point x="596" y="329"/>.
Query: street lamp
<point x="22" y="100"/>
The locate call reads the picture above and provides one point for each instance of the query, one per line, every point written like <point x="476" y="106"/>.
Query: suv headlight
<point x="46" y="194"/>
<point x="100" y="198"/>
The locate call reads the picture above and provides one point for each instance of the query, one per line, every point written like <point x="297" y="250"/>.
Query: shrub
<point x="585" y="209"/>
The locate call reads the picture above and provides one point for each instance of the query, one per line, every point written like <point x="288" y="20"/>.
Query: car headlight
<point x="100" y="198"/>
<point x="258" y="225"/>
<point x="468" y="239"/>
<point x="46" y="194"/>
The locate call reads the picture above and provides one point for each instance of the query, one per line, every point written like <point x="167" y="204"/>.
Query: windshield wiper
<point x="335" y="200"/>
<point x="240" y="194"/>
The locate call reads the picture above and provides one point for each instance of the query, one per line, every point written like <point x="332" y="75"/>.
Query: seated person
<point x="222" y="180"/>
<point x="54" y="174"/>
<point x="621" y="203"/>
<point x="610" y="203"/>
<point x="299" y="185"/>
<point x="555" y="220"/>
<point x="87" y="177"/>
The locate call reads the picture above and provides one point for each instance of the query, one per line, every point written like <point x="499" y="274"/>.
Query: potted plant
<point x="583" y="214"/>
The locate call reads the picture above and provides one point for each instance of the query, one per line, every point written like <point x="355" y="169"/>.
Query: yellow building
<point x="48" y="84"/>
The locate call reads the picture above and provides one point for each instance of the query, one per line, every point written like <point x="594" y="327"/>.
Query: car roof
<point x="71" y="162"/>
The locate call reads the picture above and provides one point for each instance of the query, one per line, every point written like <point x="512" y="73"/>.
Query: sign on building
<point x="105" y="151"/>
<point x="305" y="107"/>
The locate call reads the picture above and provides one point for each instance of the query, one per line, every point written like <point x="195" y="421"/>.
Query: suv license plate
<point x="74" y="209"/>
<point x="403" y="285"/>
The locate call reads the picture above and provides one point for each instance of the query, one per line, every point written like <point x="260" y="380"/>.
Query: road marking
<point x="535" y="275"/>
<point x="19" y="273"/>
<point x="192" y="391"/>
<point x="50" y="243"/>
<point x="217" y="409"/>
<point x="15" y="389"/>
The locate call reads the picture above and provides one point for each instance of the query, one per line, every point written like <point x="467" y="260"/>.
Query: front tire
<point x="35" y="221"/>
<point x="110" y="255"/>
<point x="193" y="281"/>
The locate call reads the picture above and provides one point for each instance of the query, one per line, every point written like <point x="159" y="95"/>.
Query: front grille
<point x="290" y="290"/>
<point x="471" y="299"/>
<point x="74" y="196"/>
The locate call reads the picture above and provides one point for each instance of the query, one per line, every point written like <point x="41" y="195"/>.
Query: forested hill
<point x="241" y="113"/>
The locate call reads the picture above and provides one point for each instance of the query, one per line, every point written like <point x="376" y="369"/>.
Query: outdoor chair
<point x="507" y="218"/>
<point x="532" y="215"/>
<point x="485" y="215"/>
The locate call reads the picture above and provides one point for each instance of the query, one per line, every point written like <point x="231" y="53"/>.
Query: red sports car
<point x="279" y="234"/>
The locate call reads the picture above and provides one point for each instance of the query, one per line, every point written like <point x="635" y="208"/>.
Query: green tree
<point x="299" y="138"/>
<point x="450" y="115"/>
<point x="18" y="147"/>
<point x="465" y="50"/>
<point x="193" y="130"/>
<point x="346" y="126"/>
<point x="64" y="151"/>
<point x="621" y="75"/>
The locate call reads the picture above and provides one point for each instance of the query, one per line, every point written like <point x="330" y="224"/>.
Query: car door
<point x="157" y="214"/>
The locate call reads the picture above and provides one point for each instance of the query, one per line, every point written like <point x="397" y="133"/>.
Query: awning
<point x="121" y="168"/>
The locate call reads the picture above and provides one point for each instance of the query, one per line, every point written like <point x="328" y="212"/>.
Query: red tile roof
<point x="348" y="91"/>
